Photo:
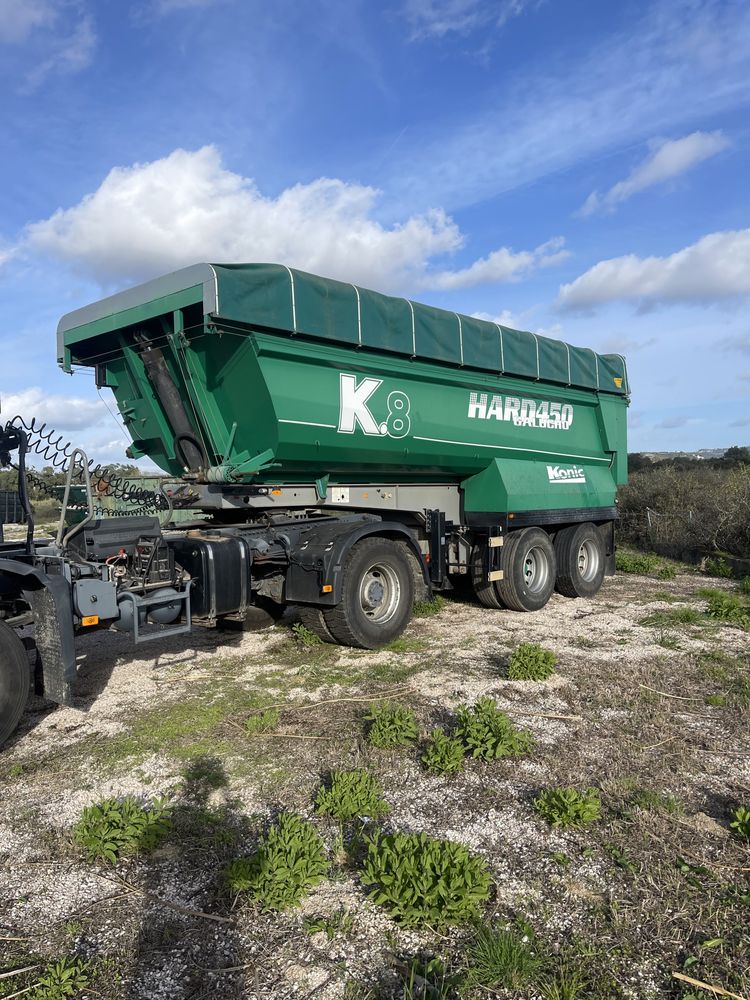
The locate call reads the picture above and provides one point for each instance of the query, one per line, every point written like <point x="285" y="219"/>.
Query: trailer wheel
<point x="377" y="595"/>
<point x="15" y="679"/>
<point x="486" y="591"/>
<point x="580" y="560"/>
<point x="529" y="568"/>
<point x="312" y="618"/>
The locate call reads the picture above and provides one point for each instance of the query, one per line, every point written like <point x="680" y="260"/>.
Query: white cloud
<point x="738" y="343"/>
<point x="64" y="413"/>
<point x="622" y="344"/>
<point x="155" y="217"/>
<point x="680" y="61"/>
<point x="500" y="266"/>
<point x="715" y="267"/>
<point x="58" y="37"/>
<point x="169" y="6"/>
<point x="667" y="160"/>
<point x="437" y="18"/>
<point x="70" y="52"/>
<point x="19" y="18"/>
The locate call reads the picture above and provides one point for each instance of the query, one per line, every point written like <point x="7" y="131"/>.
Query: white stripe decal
<point x="567" y="348"/>
<point x="460" y="337"/>
<point x="308" y="423"/>
<point x="505" y="447"/>
<point x="216" y="289"/>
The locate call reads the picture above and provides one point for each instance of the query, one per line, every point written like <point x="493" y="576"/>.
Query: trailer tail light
<point x="90" y="620"/>
<point x="327" y="589"/>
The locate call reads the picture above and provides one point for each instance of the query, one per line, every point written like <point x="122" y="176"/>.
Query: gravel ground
<point x="652" y="715"/>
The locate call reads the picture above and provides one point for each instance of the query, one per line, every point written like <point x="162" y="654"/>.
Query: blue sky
<point x="566" y="166"/>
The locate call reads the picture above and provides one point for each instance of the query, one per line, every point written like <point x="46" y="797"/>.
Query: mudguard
<point x="49" y="598"/>
<point x="317" y="559"/>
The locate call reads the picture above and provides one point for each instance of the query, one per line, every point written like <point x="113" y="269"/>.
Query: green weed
<point x="488" y="733"/>
<point x="115" y="828"/>
<point x="305" y="636"/>
<point x="501" y="959"/>
<point x="351" y="794"/>
<point x="531" y="662"/>
<point x="673" y="617"/>
<point x="567" y="983"/>
<point x="744" y="585"/>
<point x="391" y="726"/>
<point x="635" y="562"/>
<point x="653" y="801"/>
<point x="62" y="979"/>
<point x="426" y="609"/>
<point x="405" y="645"/>
<point x="290" y="860"/>
<point x="569" y="808"/>
<point x="340" y="922"/>
<point x="741" y="822"/>
<point x="443" y="754"/>
<point x="728" y="608"/>
<point x="427" y="979"/>
<point x="424" y="881"/>
<point x="263" y="723"/>
<point x="718" y="567"/>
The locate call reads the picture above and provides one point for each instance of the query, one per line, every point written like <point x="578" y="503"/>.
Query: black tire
<point x="580" y="560"/>
<point x="312" y="618"/>
<point x="377" y="595"/>
<point x="486" y="592"/>
<point x="529" y="568"/>
<point x="15" y="680"/>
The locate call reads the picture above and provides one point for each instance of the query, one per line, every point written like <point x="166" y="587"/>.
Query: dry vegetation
<point x="644" y="716"/>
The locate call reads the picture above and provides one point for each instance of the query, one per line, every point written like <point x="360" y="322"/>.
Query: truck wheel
<point x="15" y="679"/>
<point x="580" y="560"/>
<point x="377" y="595"/>
<point x="529" y="568"/>
<point x="486" y="592"/>
<point x="312" y="618"/>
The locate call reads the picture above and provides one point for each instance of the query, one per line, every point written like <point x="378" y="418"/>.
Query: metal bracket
<point x="140" y="603"/>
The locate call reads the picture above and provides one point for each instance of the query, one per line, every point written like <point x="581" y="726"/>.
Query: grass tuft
<point x="426" y="609"/>
<point x="263" y="723"/>
<point x="501" y="959"/>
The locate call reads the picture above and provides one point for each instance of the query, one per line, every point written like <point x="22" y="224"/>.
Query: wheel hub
<point x="380" y="593"/>
<point x="535" y="570"/>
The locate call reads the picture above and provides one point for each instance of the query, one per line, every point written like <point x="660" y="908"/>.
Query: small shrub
<point x="391" y="726"/>
<point x="718" y="567"/>
<point x="531" y="662"/>
<point x="635" y="562"/>
<point x="666" y="572"/>
<point x="62" y="979"/>
<point x="421" y="880"/>
<point x="488" y="733"/>
<point x="728" y="608"/>
<point x="741" y="822"/>
<point x="263" y="723"/>
<point x="426" y="609"/>
<point x="567" y="807"/>
<point x="351" y="794"/>
<point x="305" y="636"/>
<point x="443" y="754"/>
<point x="114" y="828"/>
<point x="290" y="860"/>
<point x="499" y="958"/>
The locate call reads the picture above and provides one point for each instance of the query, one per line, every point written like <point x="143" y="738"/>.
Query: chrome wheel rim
<point x="536" y="570"/>
<point x="588" y="560"/>
<point x="379" y="593"/>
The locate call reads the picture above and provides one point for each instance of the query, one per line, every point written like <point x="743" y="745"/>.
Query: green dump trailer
<point x="344" y="452"/>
